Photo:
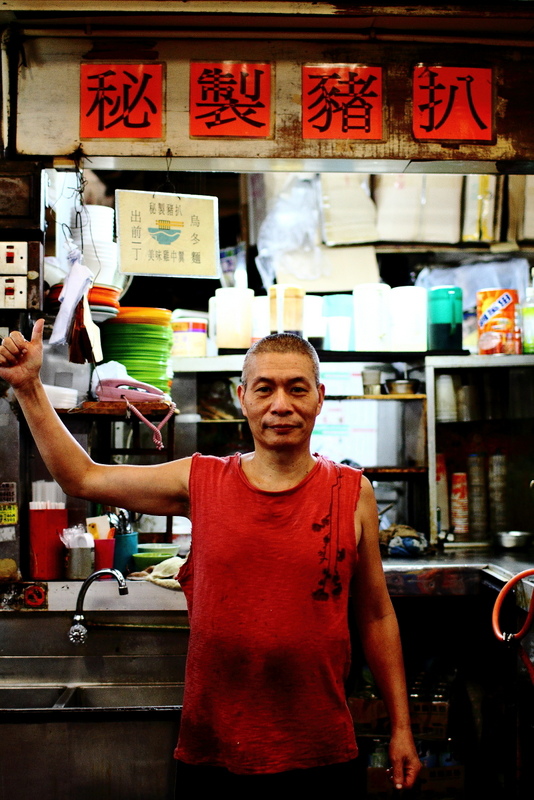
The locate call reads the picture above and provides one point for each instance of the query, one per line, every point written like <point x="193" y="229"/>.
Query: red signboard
<point x="230" y="99"/>
<point x="121" y="101"/>
<point x="453" y="103"/>
<point x="341" y="101"/>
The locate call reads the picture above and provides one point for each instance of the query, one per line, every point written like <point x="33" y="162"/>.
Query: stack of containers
<point x="497" y="493"/>
<point x="460" y="507"/>
<point x="92" y="228"/>
<point x="141" y="339"/>
<point x="442" y="492"/>
<point x="478" y="510"/>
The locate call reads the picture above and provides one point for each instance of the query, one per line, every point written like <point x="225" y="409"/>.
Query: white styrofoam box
<point x="418" y="208"/>
<point x="60" y="397"/>
<point x="342" y="378"/>
<point x="347" y="429"/>
<point x="398" y="206"/>
<point x="348" y="214"/>
<point x="479" y="208"/>
<point x="441" y="202"/>
<point x="57" y="370"/>
<point x="328" y="269"/>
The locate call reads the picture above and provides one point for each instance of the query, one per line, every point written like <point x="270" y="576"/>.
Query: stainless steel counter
<point x="443" y="573"/>
<point x="458" y="572"/>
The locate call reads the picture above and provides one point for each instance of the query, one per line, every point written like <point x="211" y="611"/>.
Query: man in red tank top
<point x="274" y="659"/>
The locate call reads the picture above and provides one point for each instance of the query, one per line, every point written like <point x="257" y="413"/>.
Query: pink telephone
<point x="127" y="388"/>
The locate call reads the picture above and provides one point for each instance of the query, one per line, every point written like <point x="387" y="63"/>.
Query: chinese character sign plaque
<point x="341" y="101"/>
<point x="453" y="103"/>
<point x="230" y="99"/>
<point x="167" y="234"/>
<point x="121" y="101"/>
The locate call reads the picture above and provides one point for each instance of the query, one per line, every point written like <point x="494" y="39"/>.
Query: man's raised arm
<point x="158" y="489"/>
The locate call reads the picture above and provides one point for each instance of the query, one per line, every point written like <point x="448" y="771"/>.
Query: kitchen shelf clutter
<point x="208" y="385"/>
<point x="481" y="456"/>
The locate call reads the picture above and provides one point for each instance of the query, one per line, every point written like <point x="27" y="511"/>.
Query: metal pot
<point x="513" y="539"/>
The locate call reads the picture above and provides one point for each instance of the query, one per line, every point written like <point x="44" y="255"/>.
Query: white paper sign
<point x="162" y="233"/>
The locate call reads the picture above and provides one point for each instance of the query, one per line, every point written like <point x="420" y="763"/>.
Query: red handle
<point x="498" y="604"/>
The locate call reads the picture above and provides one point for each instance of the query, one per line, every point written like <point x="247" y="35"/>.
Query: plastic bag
<point x="290" y="227"/>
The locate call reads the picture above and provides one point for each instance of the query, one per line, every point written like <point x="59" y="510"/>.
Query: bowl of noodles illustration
<point x="166" y="231"/>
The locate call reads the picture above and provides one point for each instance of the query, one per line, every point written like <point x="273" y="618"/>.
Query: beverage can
<point x="496" y="320"/>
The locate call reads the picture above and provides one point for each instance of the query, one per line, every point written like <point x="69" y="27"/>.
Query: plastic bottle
<point x="528" y="321"/>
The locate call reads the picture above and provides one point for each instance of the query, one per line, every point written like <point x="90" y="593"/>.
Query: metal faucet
<point x="78" y="631"/>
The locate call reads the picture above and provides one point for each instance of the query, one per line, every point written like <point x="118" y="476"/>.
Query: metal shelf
<point x="379" y="397"/>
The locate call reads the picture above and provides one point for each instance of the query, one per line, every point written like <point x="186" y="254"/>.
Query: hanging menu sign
<point x="162" y="233"/>
<point x="453" y="103"/>
<point x="121" y="101"/>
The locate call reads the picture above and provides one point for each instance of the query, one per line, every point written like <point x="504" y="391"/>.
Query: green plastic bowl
<point x="143" y="560"/>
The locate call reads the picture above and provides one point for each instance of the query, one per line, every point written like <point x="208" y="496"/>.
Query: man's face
<point x="281" y="399"/>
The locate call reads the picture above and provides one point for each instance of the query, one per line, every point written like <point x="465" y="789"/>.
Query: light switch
<point x="13" y="258"/>
<point x="13" y="291"/>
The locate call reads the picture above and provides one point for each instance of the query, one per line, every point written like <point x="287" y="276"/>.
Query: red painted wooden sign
<point x="453" y="103"/>
<point x="230" y="99"/>
<point x="342" y="101"/>
<point x="121" y="101"/>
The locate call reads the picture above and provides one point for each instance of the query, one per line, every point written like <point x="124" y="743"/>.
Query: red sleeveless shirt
<point x="267" y="588"/>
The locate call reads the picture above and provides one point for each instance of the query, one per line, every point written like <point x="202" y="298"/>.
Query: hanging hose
<point x="511" y="637"/>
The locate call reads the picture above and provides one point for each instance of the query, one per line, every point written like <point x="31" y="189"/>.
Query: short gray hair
<point x="283" y="343"/>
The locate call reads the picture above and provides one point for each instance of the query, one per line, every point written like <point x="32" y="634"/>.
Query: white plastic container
<point x="233" y="318"/>
<point x="189" y="337"/>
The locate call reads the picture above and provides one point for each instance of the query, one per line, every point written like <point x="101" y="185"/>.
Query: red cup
<point x="46" y="548"/>
<point x="104" y="553"/>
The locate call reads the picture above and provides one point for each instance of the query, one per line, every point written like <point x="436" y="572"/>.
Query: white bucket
<point x="314" y="322"/>
<point x="96" y="222"/>
<point x="408" y="318"/>
<point x="260" y="317"/>
<point x="371" y="317"/>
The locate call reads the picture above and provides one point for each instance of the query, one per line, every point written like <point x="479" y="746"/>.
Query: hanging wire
<point x="168" y="183"/>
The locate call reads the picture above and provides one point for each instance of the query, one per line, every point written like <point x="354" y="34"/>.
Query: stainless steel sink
<point x="28" y="697"/>
<point x="91" y="696"/>
<point x="125" y="696"/>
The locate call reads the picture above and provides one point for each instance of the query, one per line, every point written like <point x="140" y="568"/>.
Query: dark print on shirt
<point x="330" y="553"/>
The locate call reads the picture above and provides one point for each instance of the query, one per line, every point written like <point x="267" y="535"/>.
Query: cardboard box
<point x="480" y="206"/>
<point x="328" y="269"/>
<point x="418" y="208"/>
<point x="434" y="783"/>
<point x="441" y="782"/>
<point x="348" y="215"/>
<point x="369" y="715"/>
<point x="429" y="718"/>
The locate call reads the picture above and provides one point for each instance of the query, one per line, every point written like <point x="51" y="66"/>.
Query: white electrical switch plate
<point x="13" y="258"/>
<point x="13" y="291"/>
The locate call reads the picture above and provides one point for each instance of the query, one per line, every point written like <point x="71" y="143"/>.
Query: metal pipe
<point x="372" y="36"/>
<point x="78" y="631"/>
